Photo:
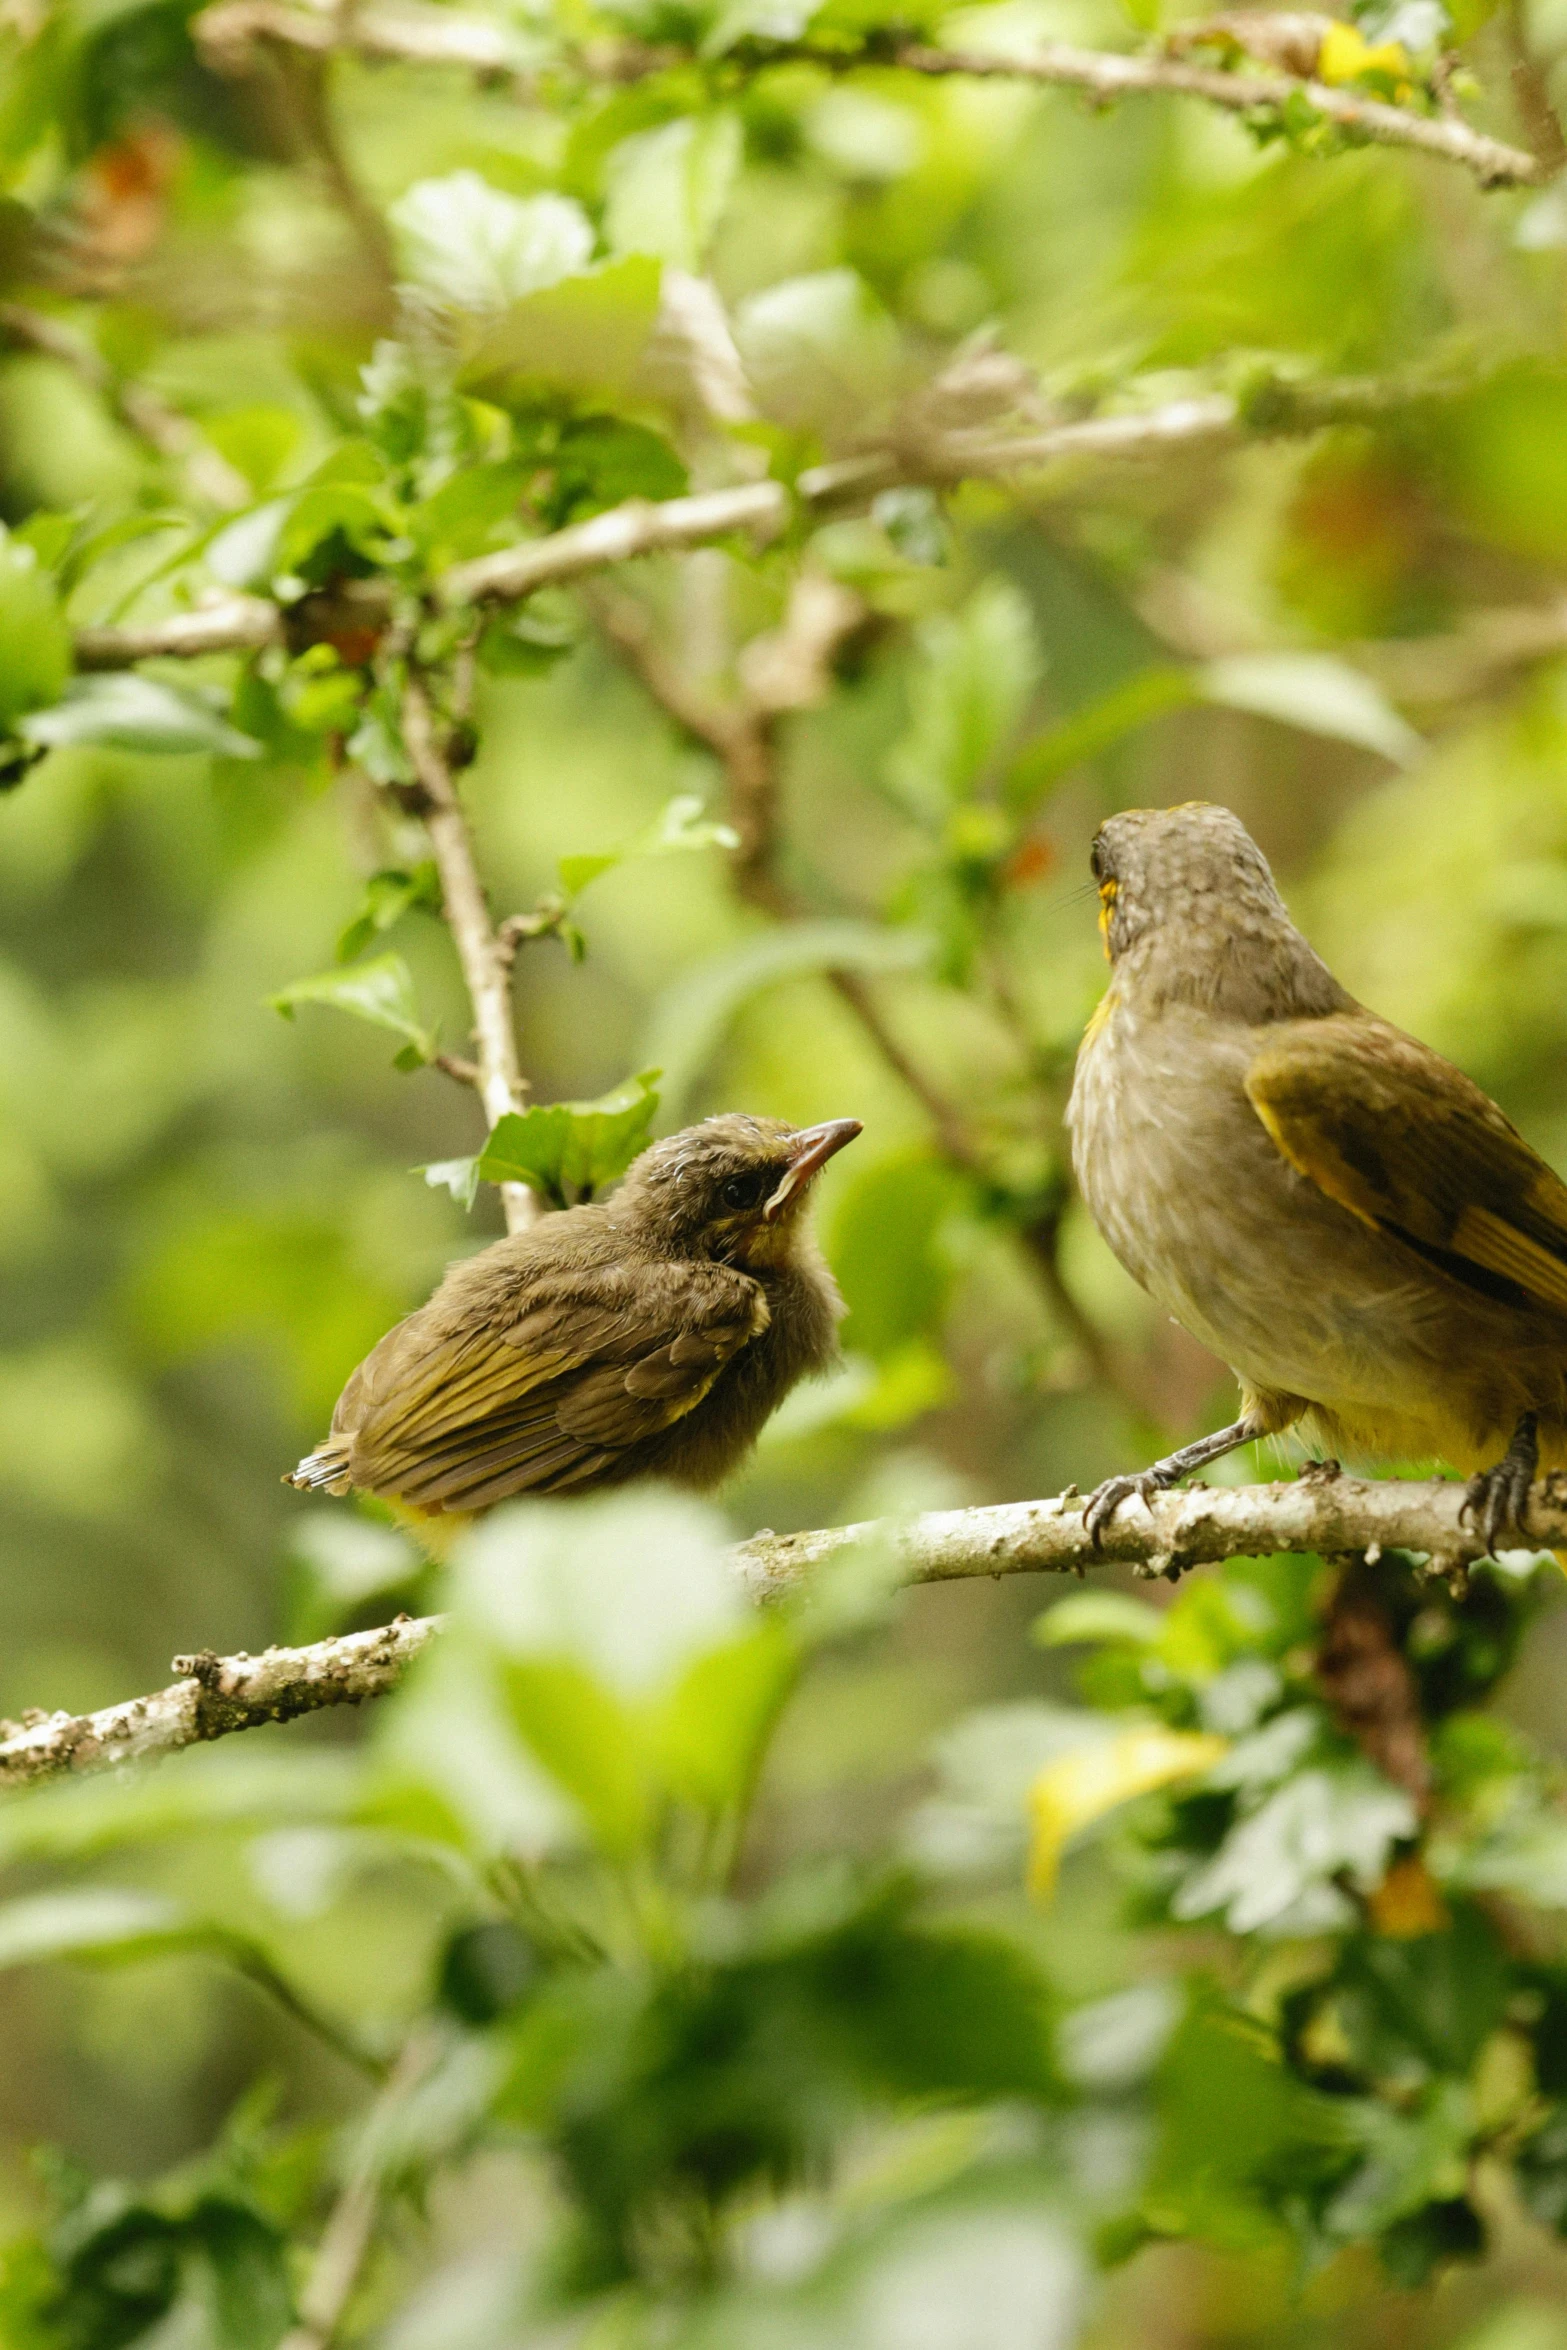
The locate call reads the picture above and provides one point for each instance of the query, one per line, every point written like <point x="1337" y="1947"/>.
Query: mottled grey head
<point x="1188" y="904"/>
<point x="731" y="1188"/>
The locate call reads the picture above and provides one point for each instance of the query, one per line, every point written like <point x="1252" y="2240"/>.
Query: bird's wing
<point x="1409" y="1144"/>
<point x="593" y="1364"/>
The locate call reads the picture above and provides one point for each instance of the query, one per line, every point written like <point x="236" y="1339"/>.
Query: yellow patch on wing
<point x="1309" y="1152"/>
<point x="1488" y="1239"/>
<point x="1079" y="1788"/>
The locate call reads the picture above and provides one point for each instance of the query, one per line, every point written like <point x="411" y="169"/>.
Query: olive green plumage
<point x="1339" y="1213"/>
<point x="649" y="1336"/>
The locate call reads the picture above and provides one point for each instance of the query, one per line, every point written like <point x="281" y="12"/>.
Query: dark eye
<point x="743" y="1191"/>
<point x="1096" y="861"/>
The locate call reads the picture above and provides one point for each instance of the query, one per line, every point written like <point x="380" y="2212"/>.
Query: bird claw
<point x="1107" y="1498"/>
<point x="1496" y="1502"/>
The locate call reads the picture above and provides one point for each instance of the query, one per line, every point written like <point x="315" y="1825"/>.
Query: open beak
<point x="813" y="1147"/>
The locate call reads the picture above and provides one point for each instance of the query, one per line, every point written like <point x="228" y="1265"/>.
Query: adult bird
<point x="647" y="1336"/>
<point x="1337" y="1212"/>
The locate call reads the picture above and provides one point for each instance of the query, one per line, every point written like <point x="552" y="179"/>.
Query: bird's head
<point x="1187" y="901"/>
<point x="733" y="1188"/>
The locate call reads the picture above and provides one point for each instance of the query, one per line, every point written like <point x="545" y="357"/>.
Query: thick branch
<point x="1327" y="1514"/>
<point x="213" y="1696"/>
<point x="485" y="968"/>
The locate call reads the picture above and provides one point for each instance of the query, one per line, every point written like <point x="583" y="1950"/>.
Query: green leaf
<point x="389" y="895"/>
<point x="1097" y="1615"/>
<point x="569" y="1150"/>
<point x="666" y="188"/>
<point x="35" y="643"/>
<point x="458" y="1176"/>
<point x="585" y="338"/>
<point x="692" y="1018"/>
<point x="1278" y="1867"/>
<point x="129" y="712"/>
<point x="820" y="352"/>
<point x="93" y="1923"/>
<point x="974" y="674"/>
<point x="680" y="824"/>
<point x="1315" y="692"/>
<point x="591" y="1743"/>
<point x="710" y="1733"/>
<point x="1096" y="728"/>
<point x="886" y="1249"/>
<point x="475" y="247"/>
<point x="380" y="991"/>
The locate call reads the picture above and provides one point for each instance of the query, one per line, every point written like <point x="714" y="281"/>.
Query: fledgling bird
<point x="647" y="1336"/>
<point x="1336" y="1211"/>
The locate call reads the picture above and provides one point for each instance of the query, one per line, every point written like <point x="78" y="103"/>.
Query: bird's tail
<point x="323" y="1471"/>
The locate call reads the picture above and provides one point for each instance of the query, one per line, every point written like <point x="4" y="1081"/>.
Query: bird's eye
<point x="1096" y="861"/>
<point x="743" y="1191"/>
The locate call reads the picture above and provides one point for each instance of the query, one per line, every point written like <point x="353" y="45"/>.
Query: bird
<point x="1332" y="1208"/>
<point x="647" y="1335"/>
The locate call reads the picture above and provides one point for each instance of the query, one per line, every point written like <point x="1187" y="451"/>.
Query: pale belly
<point x="1297" y="1295"/>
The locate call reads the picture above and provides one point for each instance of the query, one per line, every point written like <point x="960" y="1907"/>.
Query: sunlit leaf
<point x="570" y="1150"/>
<point x="472" y="245"/>
<point x="666" y="188"/>
<point x="681" y="823"/>
<point x="1316" y="692"/>
<point x="35" y="643"/>
<point x="1077" y="1790"/>
<point x="380" y="991"/>
<point x="388" y="896"/>
<point x="128" y="712"/>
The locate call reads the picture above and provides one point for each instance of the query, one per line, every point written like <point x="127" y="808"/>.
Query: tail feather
<point x="323" y="1471"/>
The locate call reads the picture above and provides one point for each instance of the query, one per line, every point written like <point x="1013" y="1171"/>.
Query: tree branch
<point x="227" y="33"/>
<point x="213" y="1696"/>
<point x="1321" y="1512"/>
<point x="230" y="624"/>
<point x="486" y="968"/>
<point x="638" y="527"/>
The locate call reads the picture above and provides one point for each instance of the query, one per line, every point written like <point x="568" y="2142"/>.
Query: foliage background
<point x="207" y="1214"/>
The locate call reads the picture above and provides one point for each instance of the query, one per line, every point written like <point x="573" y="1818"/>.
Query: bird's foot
<point x="1496" y="1502"/>
<point x="1107" y="1498"/>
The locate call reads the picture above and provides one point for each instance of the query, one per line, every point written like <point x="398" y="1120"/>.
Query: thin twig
<point x="349" y="2233"/>
<point x="638" y="527"/>
<point x="231" y="624"/>
<point x="485" y="970"/>
<point x="1321" y="1513"/>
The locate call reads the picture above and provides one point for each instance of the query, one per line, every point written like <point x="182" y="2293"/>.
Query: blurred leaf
<point x="713" y="1726"/>
<point x="94" y="1922"/>
<point x="1096" y="728"/>
<point x="380" y="991"/>
<point x="1278" y="1867"/>
<point x="471" y="245"/>
<point x="1314" y="691"/>
<point x="569" y="1150"/>
<point x="693" y="1016"/>
<point x="974" y="674"/>
<point x="591" y="1743"/>
<point x="35" y="643"/>
<point x="389" y="895"/>
<point x="820" y="352"/>
<point x="128" y="712"/>
<point x="666" y="188"/>
<point x="681" y="823"/>
<point x="1076" y="1790"/>
<point x="1097" y="1615"/>
<point x="886" y="1248"/>
<point x="585" y="338"/>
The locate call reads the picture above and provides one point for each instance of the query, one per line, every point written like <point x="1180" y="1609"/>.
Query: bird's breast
<point x="1298" y="1295"/>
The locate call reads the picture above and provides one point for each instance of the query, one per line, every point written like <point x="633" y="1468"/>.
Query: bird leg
<point x="1107" y="1498"/>
<point x="1497" y="1500"/>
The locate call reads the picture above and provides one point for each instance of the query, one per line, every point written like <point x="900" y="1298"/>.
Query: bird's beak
<point x="813" y="1147"/>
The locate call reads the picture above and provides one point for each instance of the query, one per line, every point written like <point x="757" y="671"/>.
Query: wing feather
<point x="1411" y="1146"/>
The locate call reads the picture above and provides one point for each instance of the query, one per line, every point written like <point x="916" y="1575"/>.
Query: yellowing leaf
<point x="1408" y="1902"/>
<point x="1345" y="55"/>
<point x="1080" y="1787"/>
